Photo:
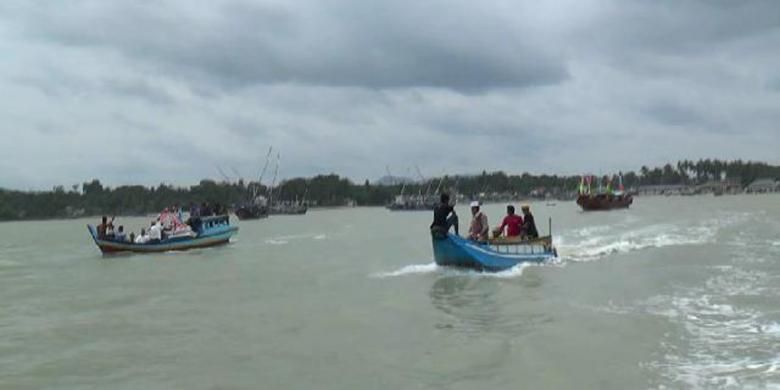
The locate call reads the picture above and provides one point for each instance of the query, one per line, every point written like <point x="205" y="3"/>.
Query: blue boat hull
<point x="212" y="232"/>
<point x="455" y="251"/>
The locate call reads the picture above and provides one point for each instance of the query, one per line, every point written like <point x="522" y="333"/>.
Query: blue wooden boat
<point x="493" y="255"/>
<point x="210" y="231"/>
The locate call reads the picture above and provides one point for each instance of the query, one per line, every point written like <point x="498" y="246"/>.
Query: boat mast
<point x="403" y="186"/>
<point x="262" y="173"/>
<point x="441" y="181"/>
<point x="273" y="183"/>
<point x="427" y="189"/>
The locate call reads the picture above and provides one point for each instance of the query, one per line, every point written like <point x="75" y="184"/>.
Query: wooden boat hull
<point x="220" y="237"/>
<point x="604" y="202"/>
<point x="245" y="213"/>
<point x="453" y="250"/>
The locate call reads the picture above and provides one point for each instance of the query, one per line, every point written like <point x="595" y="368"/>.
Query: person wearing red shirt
<point x="512" y="222"/>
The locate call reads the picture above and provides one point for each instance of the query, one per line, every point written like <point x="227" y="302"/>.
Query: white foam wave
<point x="320" y="237"/>
<point x="272" y="241"/>
<point x="591" y="248"/>
<point x="513" y="272"/>
<point x="726" y="345"/>
<point x="421" y="269"/>
<point x="409" y="270"/>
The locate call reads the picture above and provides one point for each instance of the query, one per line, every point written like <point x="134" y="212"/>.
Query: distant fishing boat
<point x="421" y="202"/>
<point x="211" y="231"/>
<point x="411" y="203"/>
<point x="493" y="255"/>
<point x="284" y="207"/>
<point x="288" y="209"/>
<point x="249" y="211"/>
<point x="256" y="207"/>
<point x="602" y="201"/>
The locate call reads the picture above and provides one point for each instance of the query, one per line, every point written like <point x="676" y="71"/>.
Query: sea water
<point x="672" y="293"/>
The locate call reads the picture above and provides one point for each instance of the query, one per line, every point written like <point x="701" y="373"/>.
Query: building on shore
<point x="761" y="186"/>
<point x="662" y="189"/>
<point x="727" y="186"/>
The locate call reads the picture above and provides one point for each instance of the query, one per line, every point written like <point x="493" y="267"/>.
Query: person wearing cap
<point x="529" y="225"/>
<point x="512" y="222"/>
<point x="479" y="228"/>
<point x="444" y="216"/>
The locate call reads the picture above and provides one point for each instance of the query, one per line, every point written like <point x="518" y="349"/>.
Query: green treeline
<point x="332" y="190"/>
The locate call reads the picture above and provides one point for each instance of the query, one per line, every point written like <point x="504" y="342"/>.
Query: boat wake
<point x="727" y="345"/>
<point x="721" y="336"/>
<point x="433" y="268"/>
<point x="596" y="242"/>
<point x="413" y="269"/>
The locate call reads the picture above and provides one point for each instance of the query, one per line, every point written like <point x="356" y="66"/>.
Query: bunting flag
<point x="171" y="220"/>
<point x="589" y="180"/>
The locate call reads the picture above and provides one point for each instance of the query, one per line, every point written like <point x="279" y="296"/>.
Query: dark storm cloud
<point x="167" y="90"/>
<point x="341" y="43"/>
<point x="674" y="114"/>
<point x="680" y="27"/>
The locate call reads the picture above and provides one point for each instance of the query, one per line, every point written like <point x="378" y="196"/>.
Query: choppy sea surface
<point x="672" y="293"/>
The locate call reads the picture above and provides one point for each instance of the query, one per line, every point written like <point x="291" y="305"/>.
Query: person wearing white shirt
<point x="142" y="238"/>
<point x="155" y="232"/>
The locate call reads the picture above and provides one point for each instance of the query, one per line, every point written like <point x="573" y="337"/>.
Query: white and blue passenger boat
<point x="492" y="255"/>
<point x="210" y="231"/>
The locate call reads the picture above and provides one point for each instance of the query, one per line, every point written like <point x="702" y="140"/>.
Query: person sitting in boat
<point x="103" y="228"/>
<point x="479" y="227"/>
<point x="444" y="217"/>
<point x="110" y="232"/>
<point x="142" y="238"/>
<point x="155" y="232"/>
<point x="529" y="225"/>
<point x="513" y="223"/>
<point x="120" y="234"/>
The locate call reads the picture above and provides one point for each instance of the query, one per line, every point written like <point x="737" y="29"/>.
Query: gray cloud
<point x="146" y="92"/>
<point x="372" y="45"/>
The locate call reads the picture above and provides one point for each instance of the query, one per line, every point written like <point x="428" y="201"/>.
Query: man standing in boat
<point x="444" y="217"/>
<point x="529" y="225"/>
<point x="479" y="228"/>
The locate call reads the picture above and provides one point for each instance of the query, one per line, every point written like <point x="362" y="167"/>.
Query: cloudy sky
<point x="142" y="91"/>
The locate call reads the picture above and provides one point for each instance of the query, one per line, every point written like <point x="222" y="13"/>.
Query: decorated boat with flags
<point x="492" y="255"/>
<point x="607" y="199"/>
<point x="205" y="232"/>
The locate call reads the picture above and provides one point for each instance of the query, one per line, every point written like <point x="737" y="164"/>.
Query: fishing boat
<point x="603" y="199"/>
<point x="598" y="202"/>
<point x="288" y="208"/>
<point x="210" y="231"/>
<point x="284" y="207"/>
<point x="412" y="203"/>
<point x="256" y="205"/>
<point x="254" y="210"/>
<point x="492" y="255"/>
<point x="416" y="202"/>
